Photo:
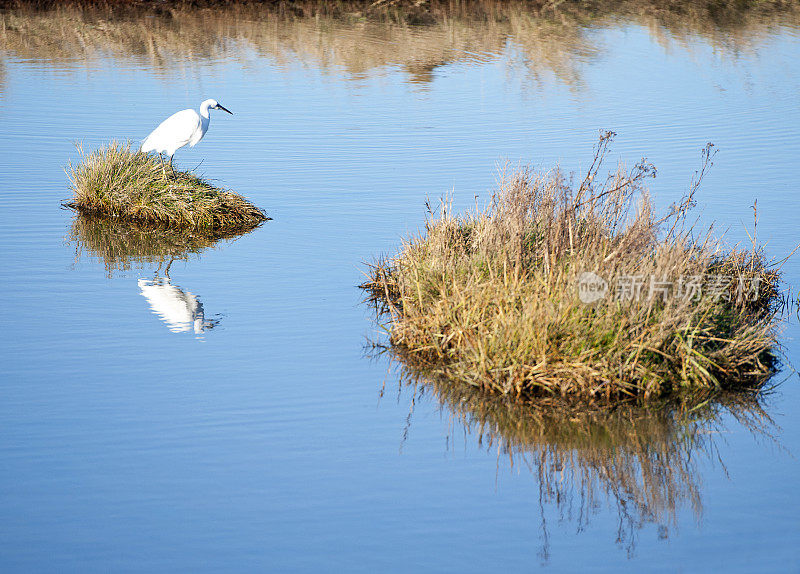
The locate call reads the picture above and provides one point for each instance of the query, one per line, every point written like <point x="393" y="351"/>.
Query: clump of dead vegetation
<point x="579" y="289"/>
<point x="119" y="182"/>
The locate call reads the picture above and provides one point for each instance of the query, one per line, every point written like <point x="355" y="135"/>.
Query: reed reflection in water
<point x="122" y="246"/>
<point x="645" y="464"/>
<point x="174" y="39"/>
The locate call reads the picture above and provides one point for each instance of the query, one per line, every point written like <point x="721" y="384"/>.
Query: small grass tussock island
<point x="579" y="289"/>
<point x="116" y="181"/>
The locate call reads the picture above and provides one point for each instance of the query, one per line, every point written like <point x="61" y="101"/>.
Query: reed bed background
<point x="491" y="298"/>
<point x="118" y="182"/>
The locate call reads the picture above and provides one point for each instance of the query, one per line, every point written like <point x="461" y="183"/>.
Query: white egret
<point x="181" y="128"/>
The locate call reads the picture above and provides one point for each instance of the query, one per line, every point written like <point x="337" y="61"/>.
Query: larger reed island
<point x="579" y="290"/>
<point x="126" y="184"/>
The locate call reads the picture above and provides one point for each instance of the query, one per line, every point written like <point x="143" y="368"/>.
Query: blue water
<point x="264" y="443"/>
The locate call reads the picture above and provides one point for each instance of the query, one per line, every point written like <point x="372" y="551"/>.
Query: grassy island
<point x="579" y="289"/>
<point x="119" y="182"/>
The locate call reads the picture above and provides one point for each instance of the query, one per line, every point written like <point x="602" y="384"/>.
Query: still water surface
<point x="221" y="414"/>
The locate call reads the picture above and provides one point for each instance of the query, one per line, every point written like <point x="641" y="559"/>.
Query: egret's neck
<point x="204" y="111"/>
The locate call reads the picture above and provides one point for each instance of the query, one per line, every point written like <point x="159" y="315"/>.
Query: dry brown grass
<point x="118" y="182"/>
<point x="490" y="298"/>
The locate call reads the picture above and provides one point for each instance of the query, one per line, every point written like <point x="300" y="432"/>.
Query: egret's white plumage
<point x="181" y="128"/>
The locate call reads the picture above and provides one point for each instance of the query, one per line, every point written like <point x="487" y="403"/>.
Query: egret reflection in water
<point x="181" y="310"/>
<point x="122" y="246"/>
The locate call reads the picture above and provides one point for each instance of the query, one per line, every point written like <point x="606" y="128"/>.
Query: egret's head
<point x="213" y="104"/>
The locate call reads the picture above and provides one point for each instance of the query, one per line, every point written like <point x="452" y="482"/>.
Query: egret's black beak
<point x="220" y="107"/>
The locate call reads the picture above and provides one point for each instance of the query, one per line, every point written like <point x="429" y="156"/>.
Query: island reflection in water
<point x="645" y="463"/>
<point x="123" y="246"/>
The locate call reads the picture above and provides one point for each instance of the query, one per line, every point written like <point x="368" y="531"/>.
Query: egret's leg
<point x="170" y="166"/>
<point x="166" y="271"/>
<point x="163" y="169"/>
